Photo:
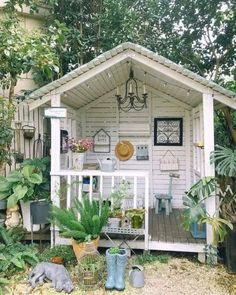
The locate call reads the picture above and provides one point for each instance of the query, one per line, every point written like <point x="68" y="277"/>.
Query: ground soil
<point x="178" y="276"/>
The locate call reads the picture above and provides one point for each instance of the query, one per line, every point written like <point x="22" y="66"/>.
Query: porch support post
<point x="55" y="159"/>
<point x="209" y="169"/>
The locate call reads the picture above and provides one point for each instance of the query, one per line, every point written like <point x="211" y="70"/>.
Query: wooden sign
<point x="55" y="112"/>
<point x="101" y="142"/>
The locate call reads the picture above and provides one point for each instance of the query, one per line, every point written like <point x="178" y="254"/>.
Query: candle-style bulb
<point x="117" y="90"/>
<point x="130" y="88"/>
<point x="144" y="88"/>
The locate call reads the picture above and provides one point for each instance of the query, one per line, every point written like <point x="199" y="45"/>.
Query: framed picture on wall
<point x="168" y="131"/>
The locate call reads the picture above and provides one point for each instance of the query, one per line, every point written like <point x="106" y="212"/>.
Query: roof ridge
<point x="141" y="50"/>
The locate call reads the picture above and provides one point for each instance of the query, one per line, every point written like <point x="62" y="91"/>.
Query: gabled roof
<point x="129" y="51"/>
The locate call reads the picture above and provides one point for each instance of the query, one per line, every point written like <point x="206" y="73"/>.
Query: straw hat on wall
<point x="124" y="150"/>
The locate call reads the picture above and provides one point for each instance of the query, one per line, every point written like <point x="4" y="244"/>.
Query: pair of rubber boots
<point x="116" y="264"/>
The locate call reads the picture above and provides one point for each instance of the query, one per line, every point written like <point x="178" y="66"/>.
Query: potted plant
<point x="22" y="185"/>
<point x="136" y="215"/>
<point x="78" y="148"/>
<point x="116" y="198"/>
<point x="7" y="109"/>
<point x="116" y="260"/>
<point x="93" y="216"/>
<point x="40" y="205"/>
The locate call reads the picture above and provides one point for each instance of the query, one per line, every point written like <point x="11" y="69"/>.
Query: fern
<point x="96" y="224"/>
<point x="93" y="216"/>
<point x="77" y="235"/>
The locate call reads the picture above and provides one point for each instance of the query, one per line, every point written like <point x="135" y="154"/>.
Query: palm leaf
<point x="225" y="161"/>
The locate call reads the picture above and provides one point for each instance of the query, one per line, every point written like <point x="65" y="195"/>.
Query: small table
<point x="125" y="233"/>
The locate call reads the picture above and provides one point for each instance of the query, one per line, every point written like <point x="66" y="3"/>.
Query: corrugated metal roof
<point x="136" y="48"/>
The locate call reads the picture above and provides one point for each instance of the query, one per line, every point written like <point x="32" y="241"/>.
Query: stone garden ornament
<point x="56" y="273"/>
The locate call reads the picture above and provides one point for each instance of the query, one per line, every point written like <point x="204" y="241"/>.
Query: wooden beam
<point x="55" y="135"/>
<point x="171" y="73"/>
<point x="188" y="142"/>
<point x="40" y="101"/>
<point x="209" y="169"/>
<point x="92" y="72"/>
<point x="230" y="102"/>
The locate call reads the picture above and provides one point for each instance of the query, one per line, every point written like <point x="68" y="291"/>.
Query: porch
<point x="165" y="234"/>
<point x="160" y="232"/>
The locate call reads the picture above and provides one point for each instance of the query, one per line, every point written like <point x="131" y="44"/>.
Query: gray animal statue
<point x="54" y="272"/>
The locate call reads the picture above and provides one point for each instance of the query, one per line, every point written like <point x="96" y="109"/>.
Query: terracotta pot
<point x="81" y="248"/>
<point x="57" y="260"/>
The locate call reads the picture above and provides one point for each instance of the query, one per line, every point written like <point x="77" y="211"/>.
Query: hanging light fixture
<point x="131" y="100"/>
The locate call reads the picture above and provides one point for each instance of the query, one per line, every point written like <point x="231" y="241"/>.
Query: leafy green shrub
<point x="65" y="252"/>
<point x="42" y="190"/>
<point x="14" y="257"/>
<point x="12" y="235"/>
<point x="20" y="185"/>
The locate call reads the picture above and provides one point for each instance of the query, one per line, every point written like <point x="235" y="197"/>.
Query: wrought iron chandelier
<point x="131" y="100"/>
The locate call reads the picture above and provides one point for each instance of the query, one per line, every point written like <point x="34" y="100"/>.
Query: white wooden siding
<point x="104" y="114"/>
<point x="164" y="109"/>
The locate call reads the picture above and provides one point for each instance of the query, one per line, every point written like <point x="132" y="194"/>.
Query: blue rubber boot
<point x="120" y="270"/>
<point x="111" y="270"/>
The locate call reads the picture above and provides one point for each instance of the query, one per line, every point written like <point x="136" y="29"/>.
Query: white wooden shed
<point x="88" y="93"/>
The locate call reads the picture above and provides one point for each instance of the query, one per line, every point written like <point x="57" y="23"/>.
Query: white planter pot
<point x="78" y="161"/>
<point x="114" y="222"/>
<point x="25" y="210"/>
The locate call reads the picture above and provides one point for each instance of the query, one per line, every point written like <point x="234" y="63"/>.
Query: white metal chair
<point x="166" y="198"/>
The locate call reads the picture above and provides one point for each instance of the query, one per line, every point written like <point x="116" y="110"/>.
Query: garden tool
<point x="111" y="270"/>
<point x="120" y="270"/>
<point x="19" y="157"/>
<point x="38" y="147"/>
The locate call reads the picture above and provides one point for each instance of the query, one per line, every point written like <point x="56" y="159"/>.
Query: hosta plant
<point x="20" y="185"/>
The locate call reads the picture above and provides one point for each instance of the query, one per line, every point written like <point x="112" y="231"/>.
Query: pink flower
<point x="80" y="145"/>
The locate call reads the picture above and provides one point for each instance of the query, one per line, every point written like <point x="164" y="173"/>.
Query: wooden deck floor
<point x="168" y="228"/>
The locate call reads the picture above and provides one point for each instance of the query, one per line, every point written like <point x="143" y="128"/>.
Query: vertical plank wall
<point x="104" y="114"/>
<point x="35" y="118"/>
<point x="20" y="144"/>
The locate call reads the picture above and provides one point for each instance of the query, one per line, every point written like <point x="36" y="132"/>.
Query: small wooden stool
<point x="166" y="198"/>
<point x="160" y="198"/>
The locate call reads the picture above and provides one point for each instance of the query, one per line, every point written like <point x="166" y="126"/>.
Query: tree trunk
<point x="229" y="120"/>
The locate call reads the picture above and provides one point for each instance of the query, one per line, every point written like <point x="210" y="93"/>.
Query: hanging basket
<point x="28" y="131"/>
<point x="19" y="157"/>
<point x="169" y="162"/>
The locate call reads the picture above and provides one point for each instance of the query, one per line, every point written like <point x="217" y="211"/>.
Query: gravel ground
<point x="178" y="276"/>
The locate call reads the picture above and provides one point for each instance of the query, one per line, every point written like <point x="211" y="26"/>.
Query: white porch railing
<point x="72" y="176"/>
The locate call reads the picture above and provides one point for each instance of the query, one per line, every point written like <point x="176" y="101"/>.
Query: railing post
<point x="80" y="187"/>
<point x="55" y="159"/>
<point x="135" y="192"/>
<point x="68" y="192"/>
<point x="146" y="238"/>
<point x="90" y="188"/>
